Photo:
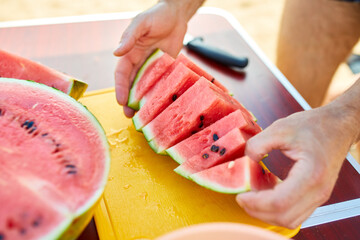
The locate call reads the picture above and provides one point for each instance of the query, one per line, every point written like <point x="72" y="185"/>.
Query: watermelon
<point x="229" y="146"/>
<point x="153" y="68"/>
<point x="181" y="59"/>
<point x="237" y="176"/>
<point x="13" y="66"/>
<point x="54" y="159"/>
<point x="189" y="114"/>
<point x="200" y="140"/>
<point x="179" y="80"/>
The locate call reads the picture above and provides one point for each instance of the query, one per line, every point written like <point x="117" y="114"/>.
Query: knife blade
<point x="215" y="54"/>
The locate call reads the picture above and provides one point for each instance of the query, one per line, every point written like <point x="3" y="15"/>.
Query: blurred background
<point x="260" y="18"/>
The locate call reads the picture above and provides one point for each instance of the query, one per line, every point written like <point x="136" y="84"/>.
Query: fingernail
<point x="119" y="47"/>
<point x="239" y="201"/>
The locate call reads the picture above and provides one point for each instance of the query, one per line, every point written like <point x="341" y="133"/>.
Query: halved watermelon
<point x="54" y="159"/>
<point x="201" y="105"/>
<point x="237" y="176"/>
<point x="150" y="72"/>
<point x="13" y="66"/>
<point x="179" y="80"/>
<point x="228" y="147"/>
<point x="200" y="140"/>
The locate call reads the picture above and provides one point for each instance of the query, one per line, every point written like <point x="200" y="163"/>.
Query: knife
<point x="216" y="54"/>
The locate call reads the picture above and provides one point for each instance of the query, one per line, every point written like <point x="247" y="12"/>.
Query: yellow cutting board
<point x="144" y="198"/>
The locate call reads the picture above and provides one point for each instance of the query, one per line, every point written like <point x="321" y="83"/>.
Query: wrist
<point x="347" y="107"/>
<point x="185" y="8"/>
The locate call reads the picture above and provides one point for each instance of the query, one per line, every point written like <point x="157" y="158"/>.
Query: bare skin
<point x="317" y="140"/>
<point x="314" y="38"/>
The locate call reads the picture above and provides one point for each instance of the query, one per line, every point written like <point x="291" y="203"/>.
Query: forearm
<point x="347" y="106"/>
<point x="186" y="8"/>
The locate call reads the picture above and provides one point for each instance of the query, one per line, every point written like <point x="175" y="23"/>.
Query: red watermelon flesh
<point x="201" y="72"/>
<point x="181" y="59"/>
<point x="196" y="143"/>
<point x="237" y="176"/>
<point x="228" y="147"/>
<point x="151" y="71"/>
<point x="30" y="215"/>
<point x="179" y="80"/>
<point x="13" y="66"/>
<point x="201" y="105"/>
<point x="53" y="147"/>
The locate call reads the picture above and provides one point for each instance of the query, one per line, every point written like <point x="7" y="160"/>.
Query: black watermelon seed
<point x="193" y="132"/>
<point x="36" y="222"/>
<point x="174" y="97"/>
<point x="201" y="125"/>
<point x="70" y="166"/>
<point x="263" y="171"/>
<point x="0" y="112"/>
<point x="215" y="137"/>
<point x="72" y="172"/>
<point x="222" y="152"/>
<point x="44" y="134"/>
<point x="22" y="231"/>
<point x="252" y="123"/>
<point x="32" y="130"/>
<point x="27" y="124"/>
<point x="205" y="156"/>
<point x="2" y="236"/>
<point x="213" y="80"/>
<point x="202" y="117"/>
<point x="214" y="148"/>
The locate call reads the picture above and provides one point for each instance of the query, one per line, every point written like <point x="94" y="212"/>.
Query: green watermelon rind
<point x="182" y="172"/>
<point x="137" y="123"/>
<point x="156" y="148"/>
<point x="77" y="89"/>
<point x="91" y="203"/>
<point x="216" y="187"/>
<point x="175" y="155"/>
<point x="132" y="102"/>
<point x="148" y="134"/>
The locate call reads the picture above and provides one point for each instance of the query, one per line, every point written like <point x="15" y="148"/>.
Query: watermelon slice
<point x="180" y="79"/>
<point x="200" y="140"/>
<point x="237" y="176"/>
<point x="54" y="159"/>
<point x="189" y="114"/>
<point x="13" y="66"/>
<point x="181" y="59"/>
<point x="230" y="146"/>
<point x="150" y="72"/>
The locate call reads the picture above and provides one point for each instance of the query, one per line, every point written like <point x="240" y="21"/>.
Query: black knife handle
<point x="216" y="54"/>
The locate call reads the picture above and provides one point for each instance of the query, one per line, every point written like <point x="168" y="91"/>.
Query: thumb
<point x="264" y="142"/>
<point x="131" y="35"/>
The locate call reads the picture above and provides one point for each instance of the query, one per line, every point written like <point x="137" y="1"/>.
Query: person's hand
<point x="162" y="26"/>
<point x="318" y="141"/>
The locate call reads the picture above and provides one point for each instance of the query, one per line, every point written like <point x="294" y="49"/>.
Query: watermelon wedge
<point x="149" y="73"/>
<point x="237" y="176"/>
<point x="228" y="147"/>
<point x="179" y="80"/>
<point x="165" y="71"/>
<point x="54" y="159"/>
<point x="13" y="66"/>
<point x="188" y="115"/>
<point x="196" y="143"/>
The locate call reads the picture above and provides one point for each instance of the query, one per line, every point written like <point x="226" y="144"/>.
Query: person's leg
<point x="315" y="37"/>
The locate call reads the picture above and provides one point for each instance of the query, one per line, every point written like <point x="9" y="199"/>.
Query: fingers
<point x="261" y="144"/>
<point x="131" y="35"/>
<point x="122" y="80"/>
<point x="290" y="202"/>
